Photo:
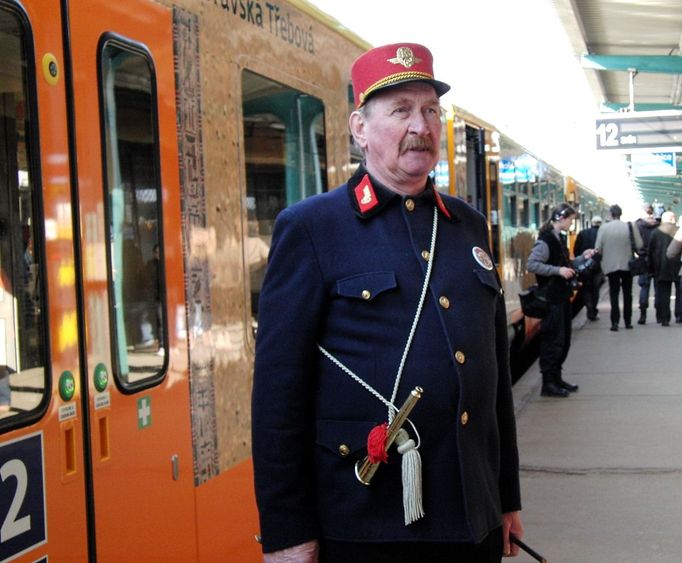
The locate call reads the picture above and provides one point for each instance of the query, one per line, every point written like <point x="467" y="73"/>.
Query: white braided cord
<point x="417" y="315"/>
<point x="390" y="404"/>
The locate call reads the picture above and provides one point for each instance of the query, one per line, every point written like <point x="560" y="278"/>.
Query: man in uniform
<point x="372" y="290"/>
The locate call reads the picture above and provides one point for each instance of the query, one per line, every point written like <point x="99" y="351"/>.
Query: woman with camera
<point x="550" y="262"/>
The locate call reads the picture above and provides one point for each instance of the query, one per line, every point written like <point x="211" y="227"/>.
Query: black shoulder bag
<point x="637" y="263"/>
<point x="534" y="302"/>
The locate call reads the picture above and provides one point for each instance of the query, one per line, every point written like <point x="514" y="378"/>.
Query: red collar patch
<point x="365" y="196"/>
<point x="440" y="204"/>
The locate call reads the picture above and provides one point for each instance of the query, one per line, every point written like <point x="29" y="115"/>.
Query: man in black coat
<point x="592" y="278"/>
<point x="646" y="224"/>
<point x="665" y="271"/>
<point x="373" y="289"/>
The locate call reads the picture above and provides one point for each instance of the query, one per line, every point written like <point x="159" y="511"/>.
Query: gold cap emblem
<point x="404" y="56"/>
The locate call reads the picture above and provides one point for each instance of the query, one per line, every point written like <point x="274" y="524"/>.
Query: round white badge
<point x="481" y="256"/>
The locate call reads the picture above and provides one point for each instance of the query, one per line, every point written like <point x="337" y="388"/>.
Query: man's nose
<point x="418" y="123"/>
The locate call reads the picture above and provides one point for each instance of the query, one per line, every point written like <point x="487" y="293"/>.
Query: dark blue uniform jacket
<point x="351" y="282"/>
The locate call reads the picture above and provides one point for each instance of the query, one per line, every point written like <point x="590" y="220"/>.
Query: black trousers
<point x="488" y="551"/>
<point x="618" y="279"/>
<point x="555" y="340"/>
<point x="590" y="293"/>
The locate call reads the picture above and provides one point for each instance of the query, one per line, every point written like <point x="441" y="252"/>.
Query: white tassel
<point x="412" y="477"/>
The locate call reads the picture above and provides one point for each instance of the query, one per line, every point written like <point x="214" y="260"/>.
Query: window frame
<point x="136" y="48"/>
<point x="33" y="156"/>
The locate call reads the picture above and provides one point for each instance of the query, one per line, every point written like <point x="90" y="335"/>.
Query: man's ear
<point x="357" y="123"/>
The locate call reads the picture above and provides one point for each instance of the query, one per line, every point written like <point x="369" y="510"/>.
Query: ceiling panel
<point x="630" y="28"/>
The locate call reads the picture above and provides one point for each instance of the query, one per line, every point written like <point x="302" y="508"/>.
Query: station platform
<point x="601" y="470"/>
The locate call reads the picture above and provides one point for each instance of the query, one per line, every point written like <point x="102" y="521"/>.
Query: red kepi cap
<point x="389" y="65"/>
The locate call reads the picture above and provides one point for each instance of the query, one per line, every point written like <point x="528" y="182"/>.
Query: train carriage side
<point x="515" y="190"/>
<point x="148" y="146"/>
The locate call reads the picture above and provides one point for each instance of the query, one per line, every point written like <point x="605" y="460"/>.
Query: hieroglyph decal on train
<point x="197" y="272"/>
<point x="22" y="496"/>
<point x="267" y="16"/>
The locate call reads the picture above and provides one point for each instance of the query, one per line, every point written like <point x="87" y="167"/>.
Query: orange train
<point x="147" y="147"/>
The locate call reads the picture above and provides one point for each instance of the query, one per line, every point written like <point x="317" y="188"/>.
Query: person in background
<point x="675" y="247"/>
<point x="646" y="224"/>
<point x="592" y="279"/>
<point x="373" y="289"/>
<point x="665" y="271"/>
<point x="155" y="295"/>
<point x="613" y="243"/>
<point x="550" y="262"/>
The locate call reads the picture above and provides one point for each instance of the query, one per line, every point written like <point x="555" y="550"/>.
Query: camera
<point x="574" y="283"/>
<point x="583" y="266"/>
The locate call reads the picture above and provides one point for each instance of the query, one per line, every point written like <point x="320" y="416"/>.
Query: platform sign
<point x="22" y="496"/>
<point x="637" y="131"/>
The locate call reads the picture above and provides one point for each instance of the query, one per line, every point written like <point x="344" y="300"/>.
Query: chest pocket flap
<point x="488" y="278"/>
<point x="366" y="286"/>
<point x="343" y="437"/>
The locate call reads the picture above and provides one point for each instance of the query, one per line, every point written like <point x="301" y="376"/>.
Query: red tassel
<point x="376" y="444"/>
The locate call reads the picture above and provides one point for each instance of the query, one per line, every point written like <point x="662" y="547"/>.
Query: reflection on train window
<point x="23" y="371"/>
<point x="512" y="211"/>
<point x="537" y="220"/>
<point x="286" y="161"/>
<point x="493" y="176"/>
<point x="525" y="213"/>
<point x="133" y="195"/>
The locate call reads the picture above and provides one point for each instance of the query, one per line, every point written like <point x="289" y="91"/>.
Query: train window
<point x="525" y="213"/>
<point x="23" y="334"/>
<point x="513" y="212"/>
<point x="285" y="152"/>
<point x="537" y="219"/>
<point x="133" y="208"/>
<point x="494" y="210"/>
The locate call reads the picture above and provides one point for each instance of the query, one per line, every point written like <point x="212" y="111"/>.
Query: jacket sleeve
<point x="599" y="243"/>
<point x="674" y="248"/>
<point x="510" y="488"/>
<point x="282" y="402"/>
<point x="639" y="242"/>
<point x="537" y="260"/>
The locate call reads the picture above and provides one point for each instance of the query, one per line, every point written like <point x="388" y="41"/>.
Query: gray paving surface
<point x="602" y="470"/>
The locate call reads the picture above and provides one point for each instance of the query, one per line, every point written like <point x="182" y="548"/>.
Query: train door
<point x="130" y="245"/>
<point x="476" y="194"/>
<point x="43" y="507"/>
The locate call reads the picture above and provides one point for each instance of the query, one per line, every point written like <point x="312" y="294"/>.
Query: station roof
<point x="631" y="53"/>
